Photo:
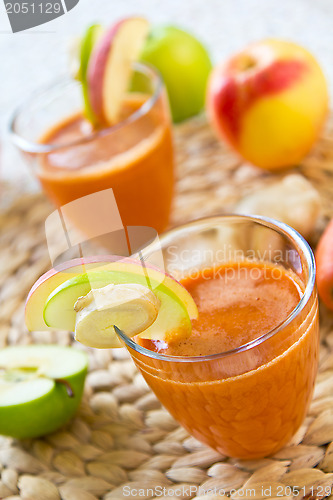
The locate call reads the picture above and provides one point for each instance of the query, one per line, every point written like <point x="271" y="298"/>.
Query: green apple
<point x="40" y="388"/>
<point x="88" y="42"/>
<point x="184" y="65"/>
<point x="51" y="300"/>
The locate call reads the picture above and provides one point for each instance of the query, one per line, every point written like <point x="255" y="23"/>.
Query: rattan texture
<point x="121" y="436"/>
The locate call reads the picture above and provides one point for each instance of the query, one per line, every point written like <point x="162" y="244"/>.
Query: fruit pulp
<point x="247" y="403"/>
<point x="134" y="158"/>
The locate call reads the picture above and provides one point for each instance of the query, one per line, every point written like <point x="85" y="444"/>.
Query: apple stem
<point x="67" y="385"/>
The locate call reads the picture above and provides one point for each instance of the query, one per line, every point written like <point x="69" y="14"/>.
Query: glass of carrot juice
<point x="243" y="380"/>
<point x="134" y="157"/>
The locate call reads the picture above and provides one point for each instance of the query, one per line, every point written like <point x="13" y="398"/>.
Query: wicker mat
<point x="121" y="440"/>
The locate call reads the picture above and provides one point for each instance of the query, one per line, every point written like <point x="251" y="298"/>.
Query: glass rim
<point x="28" y="146"/>
<point x="205" y="222"/>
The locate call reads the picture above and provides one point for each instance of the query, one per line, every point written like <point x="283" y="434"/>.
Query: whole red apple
<point x="269" y="102"/>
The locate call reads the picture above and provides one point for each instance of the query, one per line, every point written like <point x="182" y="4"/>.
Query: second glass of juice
<point x="243" y="381"/>
<point x="133" y="157"/>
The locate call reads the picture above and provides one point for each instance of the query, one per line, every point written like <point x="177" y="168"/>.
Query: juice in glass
<point x="243" y="380"/>
<point x="134" y="157"/>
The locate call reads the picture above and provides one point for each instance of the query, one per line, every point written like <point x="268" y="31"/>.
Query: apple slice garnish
<point x="110" y="67"/>
<point x="88" y="43"/>
<point x="124" y="270"/>
<point x="51" y="301"/>
<point x="131" y="307"/>
<point x="40" y="388"/>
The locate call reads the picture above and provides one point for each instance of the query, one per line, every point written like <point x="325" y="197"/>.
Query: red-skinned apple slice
<point x="110" y="66"/>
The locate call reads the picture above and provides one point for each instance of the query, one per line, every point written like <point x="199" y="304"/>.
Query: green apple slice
<point x="46" y="285"/>
<point x="59" y="306"/>
<point x="89" y="41"/>
<point x="173" y="316"/>
<point x="68" y="292"/>
<point x="40" y="388"/>
<point x="132" y="307"/>
<point x="50" y="303"/>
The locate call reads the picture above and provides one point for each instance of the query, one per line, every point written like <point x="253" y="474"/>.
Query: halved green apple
<point x="52" y="299"/>
<point x="40" y="388"/>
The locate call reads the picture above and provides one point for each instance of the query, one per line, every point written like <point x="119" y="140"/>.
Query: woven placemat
<point x="122" y="444"/>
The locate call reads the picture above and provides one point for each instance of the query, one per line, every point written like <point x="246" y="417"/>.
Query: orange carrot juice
<point x="72" y="159"/>
<point x="135" y="159"/>
<point x="249" y="401"/>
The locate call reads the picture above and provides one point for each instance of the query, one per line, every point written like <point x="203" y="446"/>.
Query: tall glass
<point x="249" y="401"/>
<point x="133" y="157"/>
